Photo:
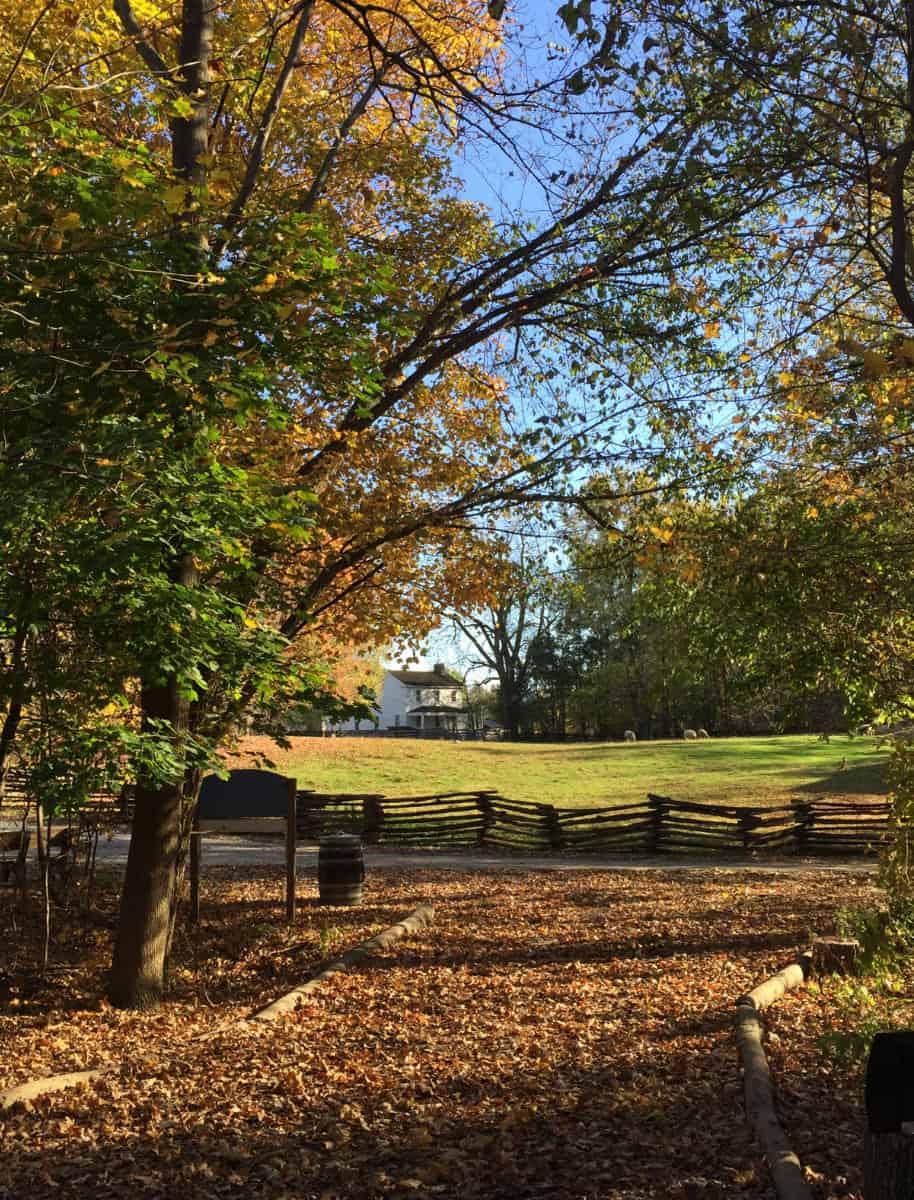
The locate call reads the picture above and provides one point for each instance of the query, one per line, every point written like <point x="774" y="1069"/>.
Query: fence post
<point x="487" y="817"/>
<point x="803" y="814"/>
<point x="553" y="827"/>
<point x="747" y="823"/>
<point x="291" y="836"/>
<point x="372" y="819"/>
<point x="658" y="804"/>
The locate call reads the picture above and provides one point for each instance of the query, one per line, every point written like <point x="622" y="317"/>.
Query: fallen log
<point x="417" y="919"/>
<point x="785" y="980"/>
<point x="786" y="1169"/>
<point x="33" y="1088"/>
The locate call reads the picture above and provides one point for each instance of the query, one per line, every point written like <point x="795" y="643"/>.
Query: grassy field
<point x="727" y="770"/>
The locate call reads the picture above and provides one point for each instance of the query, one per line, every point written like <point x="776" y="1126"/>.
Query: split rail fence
<point x="657" y="825"/>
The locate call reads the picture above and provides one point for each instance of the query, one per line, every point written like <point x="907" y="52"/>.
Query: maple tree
<point x="256" y="346"/>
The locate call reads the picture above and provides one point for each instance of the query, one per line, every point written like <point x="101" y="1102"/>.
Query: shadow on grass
<point x="864" y="780"/>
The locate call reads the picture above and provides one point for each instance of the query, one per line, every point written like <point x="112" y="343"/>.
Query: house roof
<point x="440" y="677"/>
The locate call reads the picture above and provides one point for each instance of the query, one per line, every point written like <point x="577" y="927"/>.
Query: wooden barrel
<point x="340" y="869"/>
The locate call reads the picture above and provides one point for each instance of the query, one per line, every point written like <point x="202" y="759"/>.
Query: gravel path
<point x="247" y="851"/>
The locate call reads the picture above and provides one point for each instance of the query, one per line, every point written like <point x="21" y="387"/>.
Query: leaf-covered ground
<point x="550" y="1035"/>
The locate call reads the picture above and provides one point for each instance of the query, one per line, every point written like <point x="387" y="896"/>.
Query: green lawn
<point x="725" y="770"/>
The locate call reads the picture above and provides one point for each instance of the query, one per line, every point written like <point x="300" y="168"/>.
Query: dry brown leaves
<point x="550" y="1035"/>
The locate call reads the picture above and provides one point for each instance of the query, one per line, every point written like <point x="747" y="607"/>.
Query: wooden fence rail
<point x="658" y="825"/>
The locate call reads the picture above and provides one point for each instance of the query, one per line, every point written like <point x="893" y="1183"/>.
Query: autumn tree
<point x="256" y="346"/>
<point x="499" y="637"/>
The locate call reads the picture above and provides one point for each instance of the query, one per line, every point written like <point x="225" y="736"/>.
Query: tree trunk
<point x="137" y="977"/>
<point x="888" y="1166"/>
<point x="10" y="726"/>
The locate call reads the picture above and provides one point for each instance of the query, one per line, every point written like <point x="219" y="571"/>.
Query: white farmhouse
<point x="425" y="701"/>
<point x="421" y="701"/>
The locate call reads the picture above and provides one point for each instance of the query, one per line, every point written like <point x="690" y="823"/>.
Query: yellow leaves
<point x="175" y="198"/>
<point x="67" y="221"/>
<point x="811" y="513"/>
<point x="711" y="330"/>
<point x="662" y="534"/>
<point x="267" y="283"/>
<point x="875" y="366"/>
<point x="210" y="338"/>
<point x="785" y="378"/>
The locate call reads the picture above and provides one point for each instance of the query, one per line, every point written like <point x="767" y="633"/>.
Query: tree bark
<point x="143" y="939"/>
<point x="137" y="977"/>
<point x="16" y="671"/>
<point x="888" y="1166"/>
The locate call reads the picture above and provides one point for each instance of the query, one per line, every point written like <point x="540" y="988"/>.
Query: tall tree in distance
<point x="501" y="636"/>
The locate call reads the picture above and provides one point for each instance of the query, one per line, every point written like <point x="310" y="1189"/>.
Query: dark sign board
<point x="243" y="794"/>
<point x="890" y="1081"/>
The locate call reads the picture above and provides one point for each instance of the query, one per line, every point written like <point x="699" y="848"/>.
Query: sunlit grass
<point x="763" y="770"/>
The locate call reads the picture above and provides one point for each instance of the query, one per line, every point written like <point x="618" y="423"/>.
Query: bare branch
<point x="345" y="129"/>
<point x="265" y="128"/>
<point x="25" y="45"/>
<point x="145" y="49"/>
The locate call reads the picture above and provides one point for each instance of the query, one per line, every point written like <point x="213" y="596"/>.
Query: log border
<point x="761" y="1112"/>
<point x="417" y="919"/>
<point x="420" y="917"/>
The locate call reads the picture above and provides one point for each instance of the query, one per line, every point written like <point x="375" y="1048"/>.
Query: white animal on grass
<point x="703" y="733"/>
<point x="690" y="735"/>
<point x="630" y="735"/>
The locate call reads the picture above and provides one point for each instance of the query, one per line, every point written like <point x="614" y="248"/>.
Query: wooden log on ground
<point x="786" y="1170"/>
<point x="34" y="1088"/>
<point x="418" y="919"/>
<point x="789" y="977"/>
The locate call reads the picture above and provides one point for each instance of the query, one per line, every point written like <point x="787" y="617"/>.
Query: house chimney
<point x="439" y="668"/>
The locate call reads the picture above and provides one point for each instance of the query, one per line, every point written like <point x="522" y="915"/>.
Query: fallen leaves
<point x="552" y="1034"/>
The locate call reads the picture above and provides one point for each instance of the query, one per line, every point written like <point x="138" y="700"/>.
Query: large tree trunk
<point x="137" y="977"/>
<point x="510" y="712"/>
<point x="10" y="727"/>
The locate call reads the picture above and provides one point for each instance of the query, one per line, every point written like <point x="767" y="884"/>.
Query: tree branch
<point x="145" y="49"/>
<point x="265" y="128"/>
<point x="345" y="128"/>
